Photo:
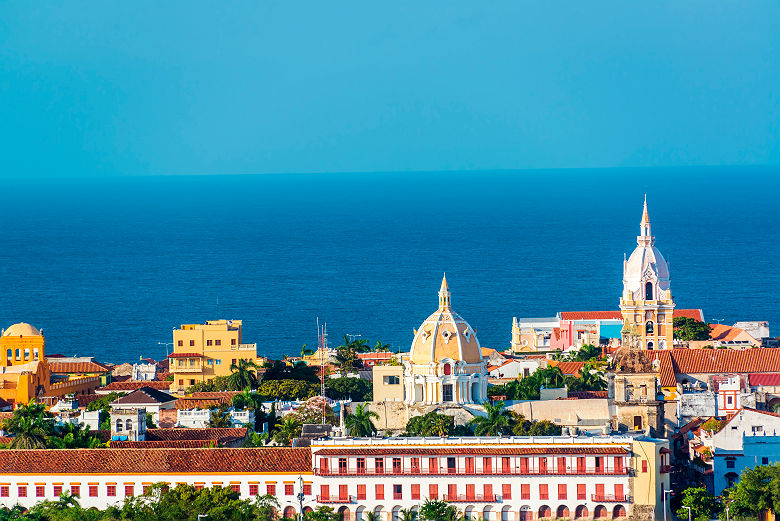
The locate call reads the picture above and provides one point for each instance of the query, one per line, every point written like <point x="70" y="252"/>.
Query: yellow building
<point x="204" y="351"/>
<point x="646" y="304"/>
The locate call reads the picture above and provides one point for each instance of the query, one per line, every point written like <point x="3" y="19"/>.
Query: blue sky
<point x="137" y="88"/>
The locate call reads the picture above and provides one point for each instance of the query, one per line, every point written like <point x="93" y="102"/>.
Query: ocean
<point x="107" y="267"/>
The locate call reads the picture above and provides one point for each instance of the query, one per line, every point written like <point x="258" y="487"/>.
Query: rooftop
<point x="144" y="395"/>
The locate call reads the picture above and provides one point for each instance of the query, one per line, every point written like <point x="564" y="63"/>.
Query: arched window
<point x="649" y="327"/>
<point x="119" y="426"/>
<point x="128" y="425"/>
<point x="649" y="291"/>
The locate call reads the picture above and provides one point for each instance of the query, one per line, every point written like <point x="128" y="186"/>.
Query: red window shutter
<point x="361" y="492"/>
<point x="111" y="490"/>
<point x="236" y="487"/>
<point x="288" y="489"/>
<point x="433" y="465"/>
<point x="505" y="464"/>
<point x="561" y="491"/>
<point x="343" y="495"/>
<point x="619" y="464"/>
<point x="525" y="491"/>
<point x="270" y="489"/>
<point x="452" y="491"/>
<point x="307" y="489"/>
<point x="433" y="491"/>
<point x="599" y="491"/>
<point x="618" y="491"/>
<point x="487" y="491"/>
<point x="129" y="489"/>
<point x="325" y="491"/>
<point x="581" y="491"/>
<point x="380" y="491"/>
<point x="561" y="465"/>
<point x="487" y="465"/>
<point x="470" y="491"/>
<point x="543" y="492"/>
<point x="254" y="489"/>
<point x="324" y="465"/>
<point x="415" y="491"/>
<point x="93" y="490"/>
<point x="524" y="465"/>
<point x="506" y="491"/>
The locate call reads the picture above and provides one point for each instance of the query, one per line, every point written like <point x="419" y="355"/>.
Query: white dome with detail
<point x="646" y="272"/>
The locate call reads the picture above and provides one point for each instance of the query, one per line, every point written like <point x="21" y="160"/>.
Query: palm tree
<point x="287" y="430"/>
<point x="381" y="346"/>
<point x="371" y="516"/>
<point x="407" y="514"/>
<point x="243" y="375"/>
<point x="346" y="359"/>
<point x="498" y="420"/>
<point x="219" y="418"/>
<point x="30" y="434"/>
<point x="306" y="351"/>
<point x="359" y="423"/>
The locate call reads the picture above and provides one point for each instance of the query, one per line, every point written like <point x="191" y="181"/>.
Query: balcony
<point x="471" y="498"/>
<point x="665" y="469"/>
<point x="405" y="471"/>
<point x="244" y="347"/>
<point x="335" y="499"/>
<point x="610" y="498"/>
<point x="188" y="369"/>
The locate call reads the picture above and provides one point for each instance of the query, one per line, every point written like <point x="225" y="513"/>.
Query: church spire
<point x="644" y="226"/>
<point x="444" y="294"/>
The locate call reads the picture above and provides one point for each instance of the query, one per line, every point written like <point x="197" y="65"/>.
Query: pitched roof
<point x="572" y="368"/>
<point x="487" y="451"/>
<point x="726" y="333"/>
<point x="86" y="399"/>
<point x="172" y="444"/>
<point x="185" y="355"/>
<point x="133" y="385"/>
<point x="213" y="394"/>
<point x="221" y="434"/>
<point x="616" y="315"/>
<point x="187" y="403"/>
<point x="768" y="379"/>
<point x="692" y="361"/>
<point x="77" y="367"/>
<point x="159" y="461"/>
<point x="144" y="395"/>
<point x="587" y="395"/>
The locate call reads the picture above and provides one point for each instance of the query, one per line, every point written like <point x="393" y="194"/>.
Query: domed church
<point x="646" y="305"/>
<point x="445" y="363"/>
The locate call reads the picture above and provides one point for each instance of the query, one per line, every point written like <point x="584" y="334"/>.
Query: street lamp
<point x="166" y="344"/>
<point x="727" y="513"/>
<point x="300" y="497"/>
<point x="666" y="492"/>
<point x="689" y="512"/>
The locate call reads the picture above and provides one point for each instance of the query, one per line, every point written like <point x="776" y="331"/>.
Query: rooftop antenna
<point x="322" y="342"/>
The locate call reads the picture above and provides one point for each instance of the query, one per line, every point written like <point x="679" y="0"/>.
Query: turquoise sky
<point x="135" y="88"/>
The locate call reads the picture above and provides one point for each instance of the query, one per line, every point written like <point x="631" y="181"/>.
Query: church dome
<point x="21" y="329"/>
<point x="646" y="264"/>
<point x="445" y="335"/>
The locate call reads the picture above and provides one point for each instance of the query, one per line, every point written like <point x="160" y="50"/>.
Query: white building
<point x="748" y="439"/>
<point x="144" y="372"/>
<point x="146" y="398"/>
<point x="445" y="363"/>
<point x="198" y="418"/>
<point x="514" y="369"/>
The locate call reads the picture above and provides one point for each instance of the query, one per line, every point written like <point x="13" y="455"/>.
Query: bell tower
<point x="646" y="304"/>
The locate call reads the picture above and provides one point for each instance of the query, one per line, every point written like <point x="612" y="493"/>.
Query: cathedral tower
<point x="646" y="304"/>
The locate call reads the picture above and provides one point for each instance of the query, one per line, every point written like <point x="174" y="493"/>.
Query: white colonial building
<point x="445" y="363"/>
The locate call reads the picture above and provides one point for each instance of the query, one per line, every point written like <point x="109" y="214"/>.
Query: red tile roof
<point x="478" y="451"/>
<point x="158" y="461"/>
<point x="616" y="315"/>
<point x="213" y="394"/>
<point x="725" y="333"/>
<point x="173" y="444"/>
<point x="86" y="399"/>
<point x="185" y="355"/>
<point x="711" y="361"/>
<point x="571" y="368"/>
<point x="768" y="379"/>
<point x="586" y="395"/>
<point x="132" y="385"/>
<point x="220" y="435"/>
<point x="695" y="314"/>
<point x="77" y="367"/>
<point x="144" y="395"/>
<point x="201" y="403"/>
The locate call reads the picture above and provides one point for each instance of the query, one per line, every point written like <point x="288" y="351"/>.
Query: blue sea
<point x="109" y="266"/>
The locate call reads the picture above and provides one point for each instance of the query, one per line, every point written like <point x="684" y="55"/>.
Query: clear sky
<point x="126" y="88"/>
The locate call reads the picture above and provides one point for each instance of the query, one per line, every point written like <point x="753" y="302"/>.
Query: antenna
<point x="322" y="341"/>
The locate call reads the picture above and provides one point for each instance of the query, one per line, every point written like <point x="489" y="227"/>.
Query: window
<point x="470" y="492"/>
<point x="433" y="491"/>
<point x="181" y="381"/>
<point x="307" y="489"/>
<point x="361" y="492"/>
<point x="525" y="491"/>
<point x="198" y="486"/>
<point x="543" y="492"/>
<point x="433" y="465"/>
<point x="210" y="362"/>
<point x="730" y="463"/>
<point x="487" y="490"/>
<point x="581" y="491"/>
<point x="415" y="462"/>
<point x="234" y="361"/>
<point x="379" y="491"/>
<point x="325" y="491"/>
<point x="22" y="491"/>
<point x="397" y="492"/>
<point x="396" y="465"/>
<point x="232" y="341"/>
<point x="217" y="342"/>
<point x="218" y="362"/>
<point x="93" y="490"/>
<point x="543" y="465"/>
<point x="487" y="465"/>
<point x="644" y="465"/>
<point x="505" y="464"/>
<point x="379" y="466"/>
<point x="192" y="343"/>
<point x="506" y="491"/>
<point x="5" y="491"/>
<point x="452" y="491"/>
<point x="361" y="465"/>
<point x="111" y="490"/>
<point x="254" y="489"/>
<point x="128" y="425"/>
<point x="619" y="491"/>
<point x="342" y="465"/>
<point x="192" y="381"/>
<point x="270" y="488"/>
<point x="756" y="428"/>
<point x="561" y="491"/>
<point x="649" y="291"/>
<point x="57" y="490"/>
<point x="649" y="328"/>
<point x="343" y="493"/>
<point x="619" y="464"/>
<point x="415" y="491"/>
<point x="288" y="489"/>
<point x="180" y="343"/>
<point x="119" y="426"/>
<point x="40" y="491"/>
<point x="764" y="461"/>
<point x="451" y="468"/>
<point x="209" y="342"/>
<point x="392" y="380"/>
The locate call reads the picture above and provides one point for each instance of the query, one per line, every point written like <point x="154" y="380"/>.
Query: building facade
<point x="646" y="304"/>
<point x="204" y="351"/>
<point x="445" y="362"/>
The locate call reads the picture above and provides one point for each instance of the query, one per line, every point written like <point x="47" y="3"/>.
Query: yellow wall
<point x="22" y="349"/>
<point x="648" y="486"/>
<point x="214" y="345"/>
<point x="384" y="392"/>
<point x="636" y="315"/>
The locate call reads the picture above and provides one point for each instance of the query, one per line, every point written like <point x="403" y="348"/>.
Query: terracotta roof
<point x="591" y="315"/>
<point x="173" y="444"/>
<point x="478" y="451"/>
<point x="695" y="314"/>
<point x="198" y="403"/>
<point x="77" y="367"/>
<point x="222" y="434"/>
<point x="86" y="399"/>
<point x="185" y="355"/>
<point x="144" y="395"/>
<point x="755" y="360"/>
<point x="383" y="355"/>
<point x="572" y="368"/>
<point x="586" y="395"/>
<point x="666" y="369"/>
<point x="213" y="394"/>
<point x="158" y="461"/>
<point x="725" y="333"/>
<point x="133" y="385"/>
<point x="768" y="379"/>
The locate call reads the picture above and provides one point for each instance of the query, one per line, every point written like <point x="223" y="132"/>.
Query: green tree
<point x="267" y="507"/>
<point x="31" y="425"/>
<point x="288" y="390"/>
<point x="437" y="510"/>
<point x="346" y="388"/>
<point x="288" y="429"/>
<point x="523" y="427"/>
<point x="150" y="421"/>
<point x="589" y="379"/>
<point x="216" y="384"/>
<point x="359" y="423"/>
<point x="74" y="436"/>
<point x="407" y="514"/>
<point x="704" y="506"/>
<point x="430" y="424"/>
<point x="322" y="513"/>
<point x="306" y="350"/>
<point x="497" y="422"/>
<point x="687" y="328"/>
<point x="243" y="375"/>
<point x="356" y="345"/>
<point x="588" y="352"/>
<point x="757" y="490"/>
<point x="219" y="418"/>
<point x="381" y="347"/>
<point x="347" y="359"/>
<point x="277" y="370"/>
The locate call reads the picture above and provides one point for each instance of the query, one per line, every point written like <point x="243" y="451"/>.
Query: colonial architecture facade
<point x="646" y="304"/>
<point x="498" y="479"/>
<point x="445" y="363"/>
